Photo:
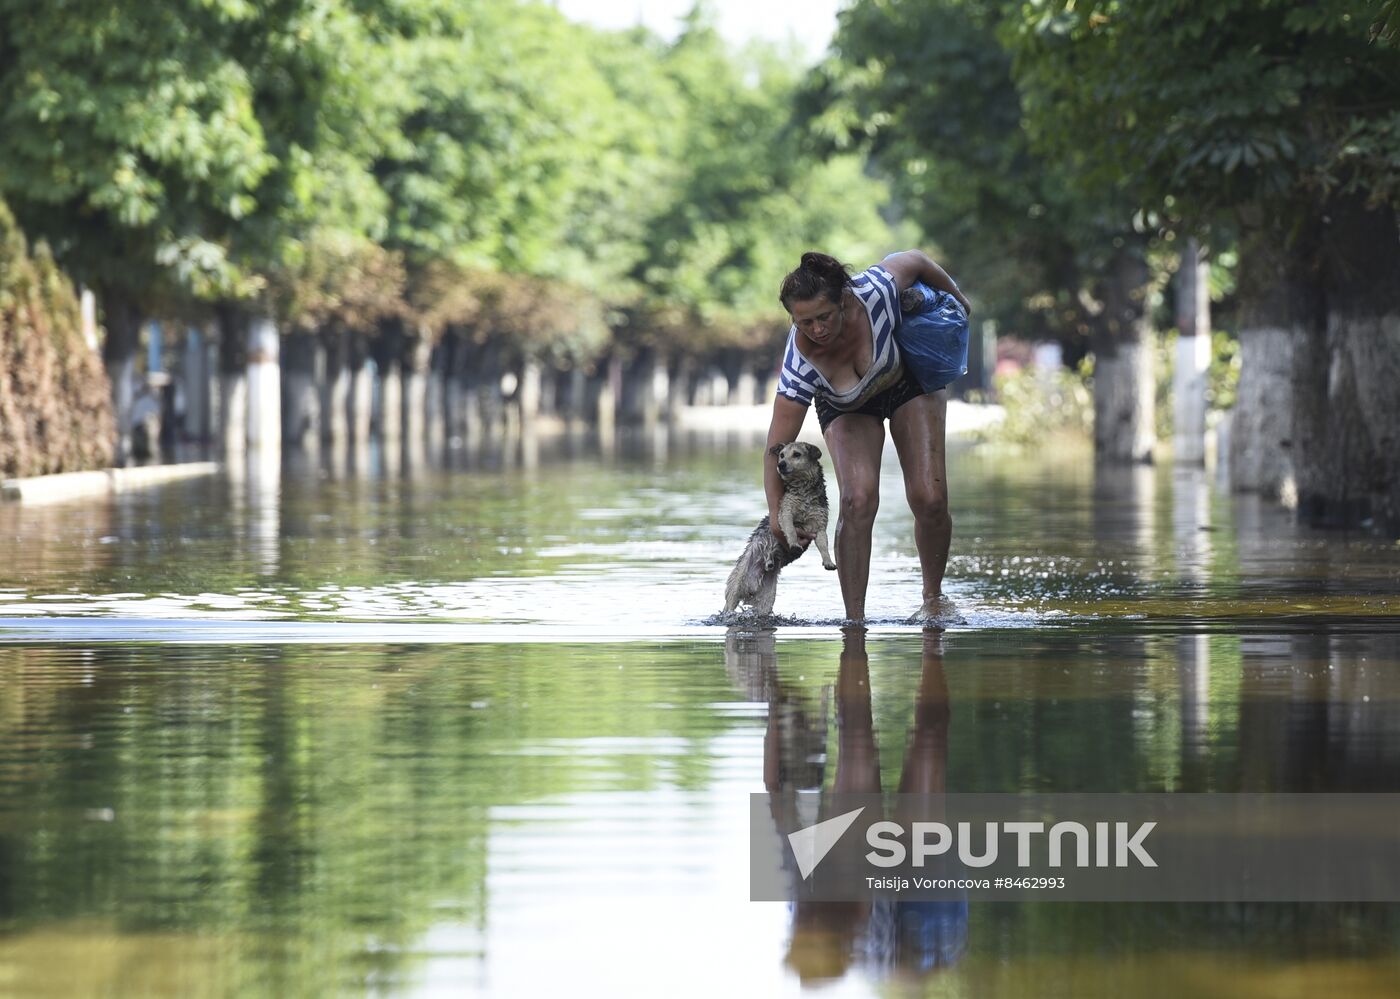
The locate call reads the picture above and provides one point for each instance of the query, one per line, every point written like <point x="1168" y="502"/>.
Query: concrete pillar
<point x="264" y="386"/>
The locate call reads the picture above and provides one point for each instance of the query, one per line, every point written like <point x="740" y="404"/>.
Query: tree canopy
<point x="221" y="151"/>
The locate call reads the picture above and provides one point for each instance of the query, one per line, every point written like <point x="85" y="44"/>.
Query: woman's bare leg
<point x="918" y="428"/>
<point x="855" y="442"/>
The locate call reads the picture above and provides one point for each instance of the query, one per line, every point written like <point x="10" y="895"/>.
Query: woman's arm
<point x="915" y="265"/>
<point x="783" y="428"/>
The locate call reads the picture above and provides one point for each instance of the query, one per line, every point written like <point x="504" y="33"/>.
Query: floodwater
<point x="379" y="728"/>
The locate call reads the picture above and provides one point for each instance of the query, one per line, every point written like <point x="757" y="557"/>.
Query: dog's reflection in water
<point x="884" y="936"/>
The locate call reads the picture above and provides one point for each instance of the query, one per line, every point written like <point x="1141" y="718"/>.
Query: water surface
<point x="357" y="727"/>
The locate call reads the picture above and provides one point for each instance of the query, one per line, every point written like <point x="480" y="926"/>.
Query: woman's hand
<point x="803" y="538"/>
<point x="914" y="265"/>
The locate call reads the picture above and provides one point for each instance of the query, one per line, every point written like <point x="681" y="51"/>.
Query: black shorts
<point x="881" y="406"/>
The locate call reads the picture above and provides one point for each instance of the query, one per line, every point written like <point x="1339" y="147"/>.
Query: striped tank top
<point x="799" y="378"/>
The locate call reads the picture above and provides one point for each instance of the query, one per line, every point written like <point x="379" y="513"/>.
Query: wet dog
<point x="754" y="579"/>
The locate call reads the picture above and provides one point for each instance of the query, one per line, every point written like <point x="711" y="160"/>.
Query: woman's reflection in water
<point x="887" y="935"/>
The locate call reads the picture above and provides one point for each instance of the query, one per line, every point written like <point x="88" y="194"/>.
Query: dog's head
<point x="795" y="458"/>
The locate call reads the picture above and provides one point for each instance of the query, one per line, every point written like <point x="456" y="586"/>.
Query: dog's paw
<point x="829" y="565"/>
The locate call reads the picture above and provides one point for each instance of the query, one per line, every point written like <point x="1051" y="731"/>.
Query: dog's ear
<point x="814" y="452"/>
<point x="775" y="449"/>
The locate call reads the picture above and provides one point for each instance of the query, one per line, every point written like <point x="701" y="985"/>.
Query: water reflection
<point x="203" y="807"/>
<point x="886" y="936"/>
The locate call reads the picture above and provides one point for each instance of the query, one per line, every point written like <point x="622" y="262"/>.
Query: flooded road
<point x="476" y="728"/>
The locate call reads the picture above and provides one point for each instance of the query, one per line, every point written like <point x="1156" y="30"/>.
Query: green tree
<point x="1279" y="120"/>
<point x="127" y="128"/>
<point x="751" y="198"/>
<point x="170" y="151"/>
<point x="929" y="90"/>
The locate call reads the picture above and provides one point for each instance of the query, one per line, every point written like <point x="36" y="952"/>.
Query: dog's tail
<point x="746" y="577"/>
<point x="743" y="579"/>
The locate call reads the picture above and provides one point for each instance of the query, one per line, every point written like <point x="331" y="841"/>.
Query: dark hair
<point x="816" y="275"/>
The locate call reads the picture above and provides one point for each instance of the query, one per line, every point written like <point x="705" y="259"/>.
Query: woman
<point x="842" y="355"/>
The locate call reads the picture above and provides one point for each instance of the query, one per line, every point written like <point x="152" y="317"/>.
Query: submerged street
<point x="473" y="725"/>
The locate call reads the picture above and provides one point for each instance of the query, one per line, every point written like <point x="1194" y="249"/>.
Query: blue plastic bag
<point x="932" y="339"/>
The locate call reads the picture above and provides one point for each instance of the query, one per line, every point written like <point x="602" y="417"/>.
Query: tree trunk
<point x="528" y="395"/>
<point x="435" y="398"/>
<point x="747" y="390"/>
<point x="575" y="411"/>
<point x="360" y="399"/>
<point x="119" y="357"/>
<point x="652" y="386"/>
<point x="609" y="394"/>
<point x="682" y="384"/>
<point x="1280" y="310"/>
<point x="387" y="349"/>
<point x="468" y="413"/>
<point x="301" y="402"/>
<point x="1261" y="433"/>
<point x="1347" y="426"/>
<point x="1192" y="356"/>
<point x="414" y="356"/>
<point x="232" y="409"/>
<point x="454" y="400"/>
<point x="198" y="383"/>
<point x="1318" y="418"/>
<point x="1124" y="389"/>
<point x="335" y="387"/>
<point x="264" y="385"/>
